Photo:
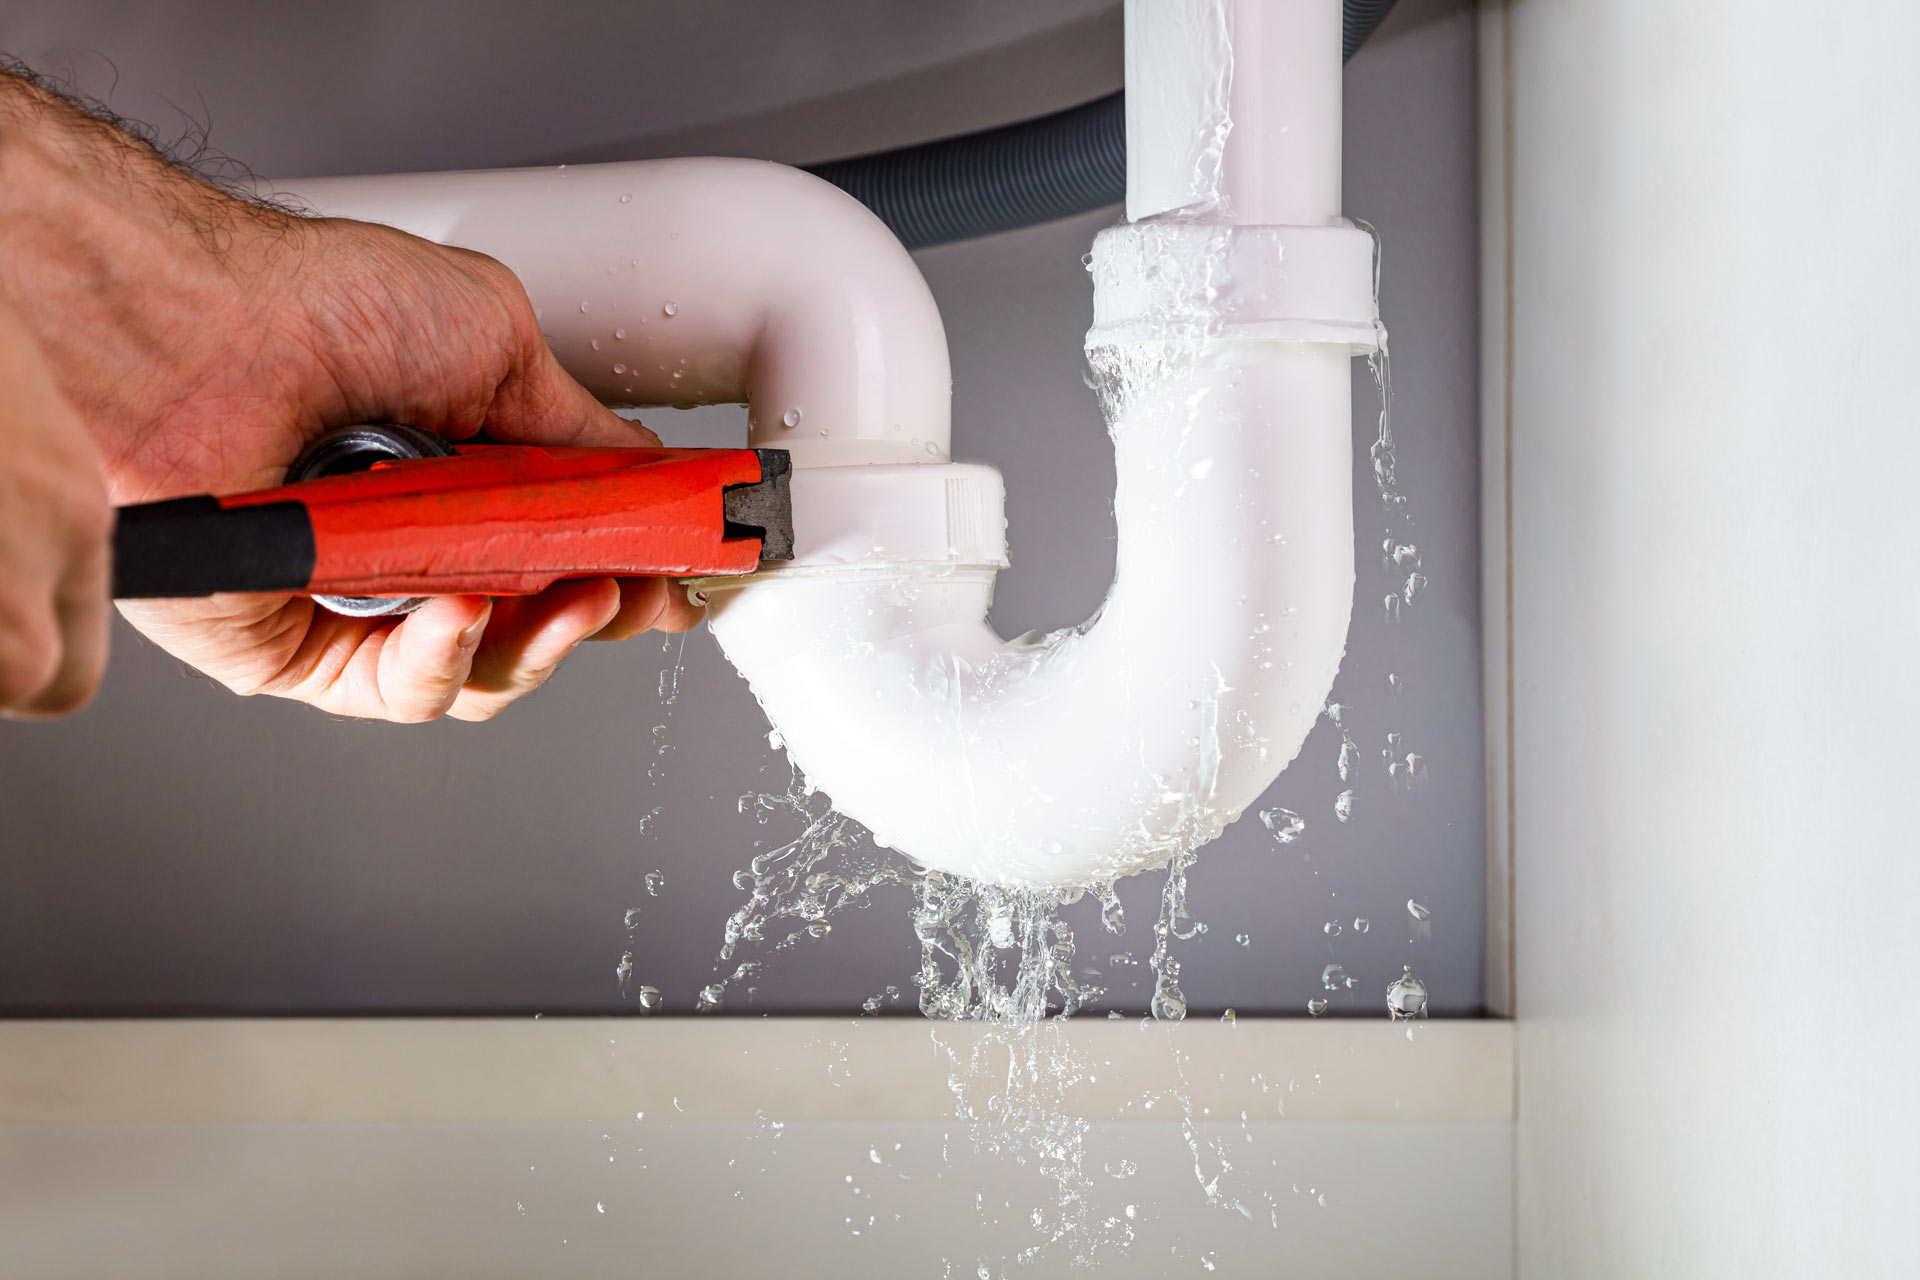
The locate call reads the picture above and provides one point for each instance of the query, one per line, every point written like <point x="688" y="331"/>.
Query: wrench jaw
<point x="763" y="509"/>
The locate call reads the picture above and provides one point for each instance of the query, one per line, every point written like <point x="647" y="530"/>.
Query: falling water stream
<point x="1008" y="961"/>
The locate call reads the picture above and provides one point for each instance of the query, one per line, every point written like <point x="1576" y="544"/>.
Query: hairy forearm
<point x="52" y="145"/>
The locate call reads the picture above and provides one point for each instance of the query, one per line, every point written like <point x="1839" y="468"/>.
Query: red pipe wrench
<point x="374" y="519"/>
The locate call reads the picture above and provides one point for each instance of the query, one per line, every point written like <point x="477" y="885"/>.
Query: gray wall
<point x="177" y="848"/>
<point x="1713" y="648"/>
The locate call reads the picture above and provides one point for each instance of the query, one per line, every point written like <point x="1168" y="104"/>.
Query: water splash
<point x="669" y="691"/>
<point x="1003" y="959"/>
<point x="1407" y="997"/>
<point x="1286" y="825"/>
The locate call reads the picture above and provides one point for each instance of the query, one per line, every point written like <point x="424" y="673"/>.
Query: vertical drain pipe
<point x="1234" y="111"/>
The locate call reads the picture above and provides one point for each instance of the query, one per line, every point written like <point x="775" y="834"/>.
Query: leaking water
<point x="1006" y="960"/>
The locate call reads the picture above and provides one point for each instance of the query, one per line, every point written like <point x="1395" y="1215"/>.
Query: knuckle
<point x="499" y="275"/>
<point x="492" y="273"/>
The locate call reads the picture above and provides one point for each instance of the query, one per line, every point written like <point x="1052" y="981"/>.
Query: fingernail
<point x="471" y="636"/>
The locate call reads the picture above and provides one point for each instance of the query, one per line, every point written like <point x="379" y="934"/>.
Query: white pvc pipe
<point x="1111" y="749"/>
<point x="1224" y="347"/>
<point x="703" y="281"/>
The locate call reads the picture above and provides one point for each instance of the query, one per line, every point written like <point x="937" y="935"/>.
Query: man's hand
<point x="204" y="340"/>
<point x="54" y="523"/>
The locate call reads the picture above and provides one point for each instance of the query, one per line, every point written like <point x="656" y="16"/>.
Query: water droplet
<point x="1130" y="1211"/>
<point x="670" y="307"/>
<point x="595" y="343"/>
<point x="620" y="335"/>
<point x="1333" y="977"/>
<point x="655" y="883"/>
<point x="583" y="308"/>
<point x="1285" y="824"/>
<point x="1418" y="911"/>
<point x="1316" y="1007"/>
<point x="1407" y="997"/>
<point x="1000" y="930"/>
<point x="873" y="1154"/>
<point x="600" y="1206"/>
<point x="1360" y="924"/>
<point x="1349" y="760"/>
<point x="1229" y="1017"/>
<point x="1416" y="583"/>
<point x="1331" y="928"/>
<point x="1394" y="683"/>
<point x="933" y="450"/>
<point x="624" y="970"/>
<point x="710" y="999"/>
<point x="790" y="418"/>
<point x="619" y="368"/>
<point x="649" y="999"/>
<point x="1392" y="605"/>
<point x="627" y="198"/>
<point x="1343" y="806"/>
<point x="633" y="917"/>
<point x="1242" y="939"/>
<point x="1121" y="1168"/>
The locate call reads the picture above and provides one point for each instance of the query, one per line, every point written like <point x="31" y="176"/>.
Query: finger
<point x="83" y="611"/>
<point x="527" y="640"/>
<point x="649" y="604"/>
<point x="680" y="613"/>
<point x="425" y="660"/>
<point x="251" y="643"/>
<point x="29" y="650"/>
<point x="407" y="669"/>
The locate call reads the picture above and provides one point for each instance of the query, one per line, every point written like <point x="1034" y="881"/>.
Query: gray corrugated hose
<point x="1017" y="175"/>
